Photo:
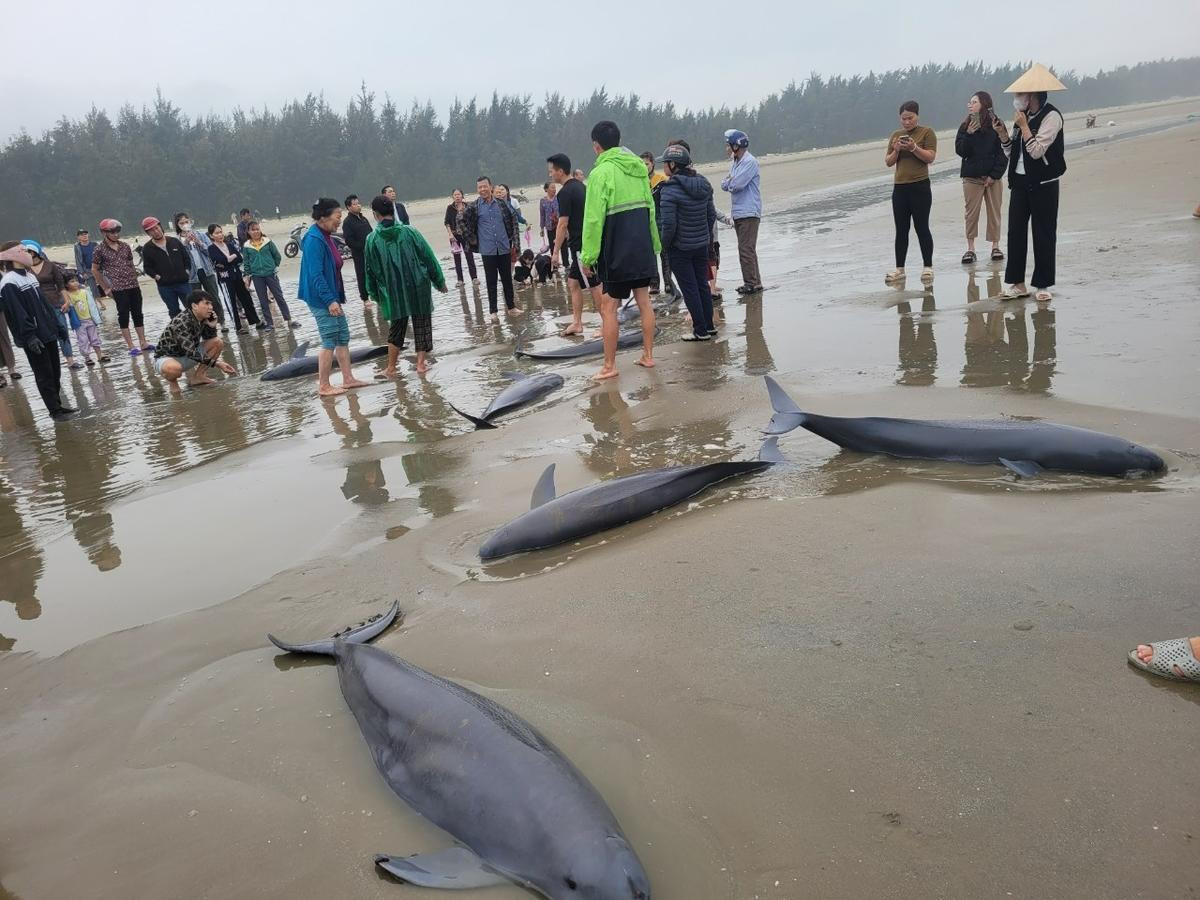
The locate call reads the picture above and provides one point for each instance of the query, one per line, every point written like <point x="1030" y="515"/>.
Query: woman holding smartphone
<point x="982" y="172"/>
<point x="910" y="150"/>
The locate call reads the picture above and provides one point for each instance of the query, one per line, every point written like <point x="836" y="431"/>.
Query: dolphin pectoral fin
<point x="476" y="420"/>
<point x="301" y="351"/>
<point x="1023" y="467"/>
<point x="543" y="491"/>
<point x="787" y="414"/>
<point x="769" y="451"/>
<point x="361" y="634"/>
<point x="454" y="869"/>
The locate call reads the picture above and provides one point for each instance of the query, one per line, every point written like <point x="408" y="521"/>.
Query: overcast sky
<point x="710" y="53"/>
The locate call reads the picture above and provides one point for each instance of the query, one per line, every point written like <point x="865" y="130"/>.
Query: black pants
<point x="422" y="332"/>
<point x="551" y="235"/>
<point x="470" y="254"/>
<point x="239" y="295"/>
<point x="691" y="268"/>
<point x="498" y="264"/>
<point x="360" y="272"/>
<point x="47" y="373"/>
<point x="912" y="203"/>
<point x="129" y="305"/>
<point x="1037" y="208"/>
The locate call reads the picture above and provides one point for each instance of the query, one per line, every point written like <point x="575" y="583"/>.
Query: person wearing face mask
<point x="204" y="274"/>
<point x="1036" y="162"/>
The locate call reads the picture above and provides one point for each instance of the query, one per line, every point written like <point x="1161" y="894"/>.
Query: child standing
<point x="85" y="319"/>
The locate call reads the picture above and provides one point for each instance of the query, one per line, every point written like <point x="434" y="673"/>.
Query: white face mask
<point x="1020" y="104"/>
<point x="185" y="227"/>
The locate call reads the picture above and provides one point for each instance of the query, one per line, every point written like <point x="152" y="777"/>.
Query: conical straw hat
<point x="1038" y="78"/>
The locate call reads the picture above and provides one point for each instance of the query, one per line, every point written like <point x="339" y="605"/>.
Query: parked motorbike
<point x="292" y="248"/>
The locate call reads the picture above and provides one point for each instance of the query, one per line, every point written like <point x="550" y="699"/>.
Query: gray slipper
<point x="1168" y="655"/>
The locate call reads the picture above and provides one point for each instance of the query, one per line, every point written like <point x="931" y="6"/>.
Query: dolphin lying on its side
<point x="301" y="364"/>
<point x="555" y="520"/>
<point x="520" y="811"/>
<point x="630" y="311"/>
<point x="1024" y="447"/>
<point x="524" y="389"/>
<point x="625" y="339"/>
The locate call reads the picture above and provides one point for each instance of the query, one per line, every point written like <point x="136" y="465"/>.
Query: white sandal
<point x="927" y="276"/>
<point x="1169" y="656"/>
<point x="1013" y="294"/>
<point x="1043" y="296"/>
<point x="894" y="276"/>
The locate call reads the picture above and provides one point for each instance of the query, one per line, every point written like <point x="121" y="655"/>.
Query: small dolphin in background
<point x="555" y="520"/>
<point x="300" y="364"/>
<point x="631" y="311"/>
<point x="1024" y="447"/>
<point x="521" y="812"/>
<point x="625" y="339"/>
<point x="524" y="389"/>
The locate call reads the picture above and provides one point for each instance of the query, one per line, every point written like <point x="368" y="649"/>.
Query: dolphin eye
<point x="570" y="882"/>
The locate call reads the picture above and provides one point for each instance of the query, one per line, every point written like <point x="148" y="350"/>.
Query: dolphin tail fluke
<point x="769" y="451"/>
<point x="360" y="634"/>
<point x="787" y="414"/>
<point x="478" y="422"/>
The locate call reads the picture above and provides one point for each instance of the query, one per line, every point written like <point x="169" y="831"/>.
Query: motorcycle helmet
<point x="736" y="139"/>
<point x="109" y="225"/>
<point x="150" y="222"/>
<point x="34" y="247"/>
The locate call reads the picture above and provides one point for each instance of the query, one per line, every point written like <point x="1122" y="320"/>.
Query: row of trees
<point x="157" y="160"/>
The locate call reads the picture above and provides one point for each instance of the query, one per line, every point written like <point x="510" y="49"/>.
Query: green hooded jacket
<point x="620" y="236"/>
<point x="401" y="269"/>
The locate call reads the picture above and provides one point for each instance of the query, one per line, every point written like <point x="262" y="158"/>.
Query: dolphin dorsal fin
<point x="543" y="491"/>
<point x="301" y="351"/>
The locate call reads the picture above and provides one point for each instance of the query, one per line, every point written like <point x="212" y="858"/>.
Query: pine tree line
<point x="156" y="160"/>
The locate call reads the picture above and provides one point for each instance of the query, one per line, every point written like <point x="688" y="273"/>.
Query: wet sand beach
<point x="851" y="677"/>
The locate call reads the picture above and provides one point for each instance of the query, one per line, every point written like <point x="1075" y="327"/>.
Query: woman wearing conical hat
<point x="1035" y="164"/>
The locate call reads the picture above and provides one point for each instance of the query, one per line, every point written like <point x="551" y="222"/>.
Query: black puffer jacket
<point x="686" y="212"/>
<point x="981" y="153"/>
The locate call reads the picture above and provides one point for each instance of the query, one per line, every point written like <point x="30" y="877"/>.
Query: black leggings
<point x="912" y="203"/>
<point x="129" y="306"/>
<point x="239" y="295"/>
<point x="498" y="265"/>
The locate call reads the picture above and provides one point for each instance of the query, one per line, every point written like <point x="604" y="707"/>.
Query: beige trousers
<point x="976" y="195"/>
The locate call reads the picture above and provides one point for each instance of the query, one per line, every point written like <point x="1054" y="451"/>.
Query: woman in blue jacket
<point x="686" y="217"/>
<point x="322" y="289"/>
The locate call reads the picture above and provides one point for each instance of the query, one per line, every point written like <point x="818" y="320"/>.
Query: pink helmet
<point x="109" y="225"/>
<point x="150" y="222"/>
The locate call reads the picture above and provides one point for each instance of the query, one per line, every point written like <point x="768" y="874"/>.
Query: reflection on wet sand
<point x="21" y="564"/>
<point x="918" y="349"/>
<point x="996" y="347"/>
<point x="758" y="354"/>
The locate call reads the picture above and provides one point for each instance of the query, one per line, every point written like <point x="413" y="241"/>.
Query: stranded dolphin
<point x="524" y="389"/>
<point x="518" y="809"/>
<point x="300" y="364"/>
<point x="629" y="338"/>
<point x="631" y="311"/>
<point x="1024" y="447"/>
<point x="555" y="520"/>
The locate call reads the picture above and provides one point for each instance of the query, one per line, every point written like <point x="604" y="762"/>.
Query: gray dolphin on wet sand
<point x="1024" y="447"/>
<point x="299" y="363"/>
<point x="625" y="339"/>
<point x="524" y="389"/>
<point x="520" y="812"/>
<point x="555" y="520"/>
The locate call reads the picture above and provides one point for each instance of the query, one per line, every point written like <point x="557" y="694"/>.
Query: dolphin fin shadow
<point x="543" y="491"/>
<point x="787" y="414"/>
<point x="455" y="868"/>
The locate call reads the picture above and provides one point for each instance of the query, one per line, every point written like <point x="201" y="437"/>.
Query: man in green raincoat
<point x="401" y="269"/>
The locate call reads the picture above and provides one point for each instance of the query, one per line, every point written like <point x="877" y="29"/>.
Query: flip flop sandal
<point x="968" y="257"/>
<point x="695" y="337"/>
<point x="894" y="276"/>
<point x="1168" y="655"/>
<point x="15" y="376"/>
<point x="134" y="351"/>
<point x="997" y="254"/>
<point x="1010" y="294"/>
<point x="1043" y="296"/>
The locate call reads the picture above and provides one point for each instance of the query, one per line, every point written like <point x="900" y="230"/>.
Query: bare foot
<point x="646" y="363"/>
<point x="604" y="375"/>
<point x="573" y="328"/>
<point x="422" y="368"/>
<point x="597" y="333"/>
<point x="1146" y="653"/>
<point x="204" y="379"/>
<point x="330" y="391"/>
<point x="493" y="318"/>
<point x="385" y="375"/>
<point x="353" y="383"/>
<point x="513" y="311"/>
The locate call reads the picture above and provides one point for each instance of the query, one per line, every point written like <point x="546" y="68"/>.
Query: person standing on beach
<point x="456" y="228"/>
<point x="227" y="260"/>
<point x="982" y="172"/>
<point x="579" y="176"/>
<point x="243" y="225"/>
<point x="620" y="240"/>
<point x="401" y="213"/>
<point x="112" y="266"/>
<point x="910" y="150"/>
<point x="745" y="198"/>
<point x="204" y="275"/>
<point x="656" y="182"/>
<point x="36" y="327"/>
<point x="167" y="261"/>
<point x="568" y="238"/>
<point x="87" y="315"/>
<point x="355" y="229"/>
<point x="84" y="250"/>
<point x="261" y="258"/>
<point x="53" y="282"/>
<point x="548" y="216"/>
<point x="686" y="220"/>
<point x="401" y="268"/>
<point x="8" y="359"/>
<point x="322" y="289"/>
<point x="1036" y="162"/>
<point x="492" y="230"/>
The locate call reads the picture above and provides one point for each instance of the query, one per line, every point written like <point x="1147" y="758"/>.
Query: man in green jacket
<point x="401" y="268"/>
<point x="620" y="240"/>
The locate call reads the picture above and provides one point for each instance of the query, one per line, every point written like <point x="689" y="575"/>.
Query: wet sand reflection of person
<point x="996" y="349"/>
<point x="80" y="465"/>
<point x="918" y="349"/>
<point x="364" y="482"/>
<point x="758" y="355"/>
<point x="21" y="562"/>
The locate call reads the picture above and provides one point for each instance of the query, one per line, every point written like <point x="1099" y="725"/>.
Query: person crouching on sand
<point x="322" y="289"/>
<point x="401" y="267"/>
<point x="190" y="344"/>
